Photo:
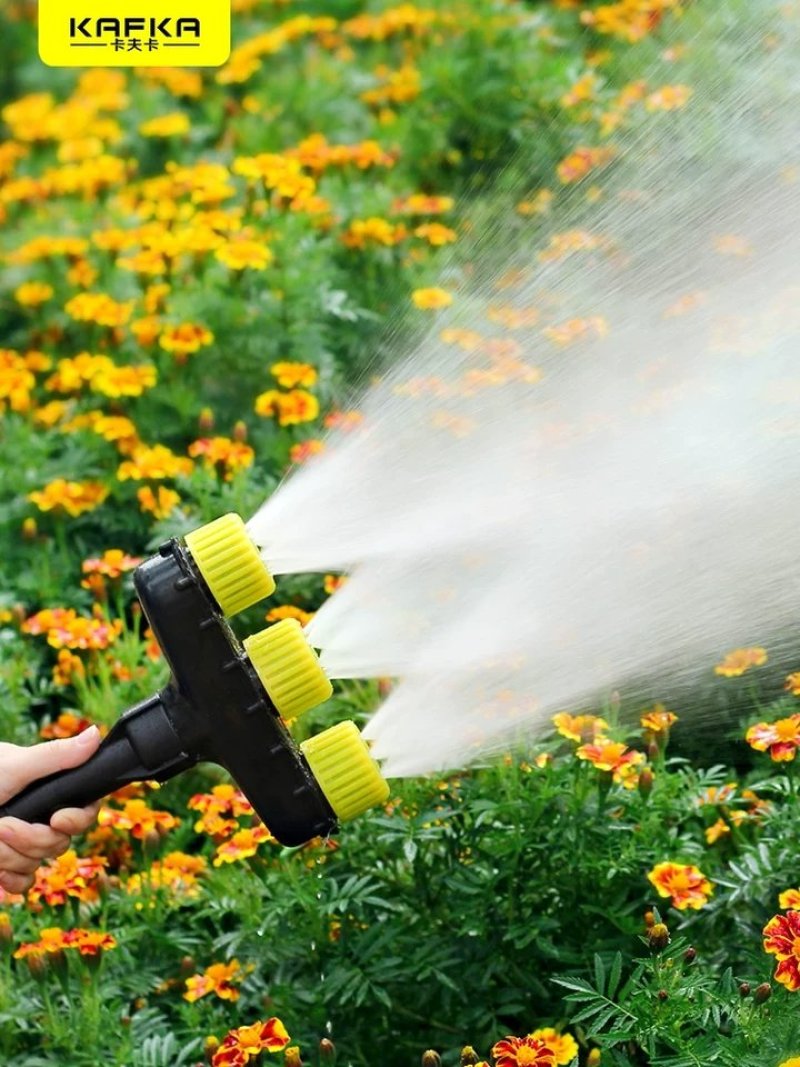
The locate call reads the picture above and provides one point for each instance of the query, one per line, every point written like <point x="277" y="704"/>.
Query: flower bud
<point x="37" y="964"/>
<point x="327" y="1050"/>
<point x="291" y="1056"/>
<point x="29" y="529"/>
<point x="210" y="1046"/>
<point x="663" y="995"/>
<point x="469" y="1057"/>
<point x="205" y="420"/>
<point x="744" y="990"/>
<point x="762" y="993"/>
<point x="6" y="933"/>
<point x="240" y="431"/>
<point x="652" y="751"/>
<point x="188" y="965"/>
<point x="646" y="782"/>
<point x="430" y="1058"/>
<point x="658" y="936"/>
<point x="594" y="1057"/>
<point x="649" y="919"/>
<point x="690" y="955"/>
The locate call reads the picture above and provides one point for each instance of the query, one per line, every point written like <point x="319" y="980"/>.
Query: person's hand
<point x="24" y="845"/>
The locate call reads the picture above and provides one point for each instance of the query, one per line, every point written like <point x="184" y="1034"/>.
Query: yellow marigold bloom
<point x="50" y="414"/>
<point x="147" y="330"/>
<point x="435" y="234"/>
<point x="245" y="254"/>
<point x="46" y="247"/>
<point x="582" y="91"/>
<point x="291" y="375"/>
<point x="290" y="408"/>
<point x="793" y="1062"/>
<point x="160" y="502"/>
<point x="82" y="274"/>
<point x="16" y="381"/>
<point x="124" y="381"/>
<point x="581" y="728"/>
<point x="186" y="338"/>
<point x="793" y="683"/>
<point x="99" y="308"/>
<point x="173" y="125"/>
<point x="117" y="429"/>
<point x="668" y="98"/>
<point x="715" y="832"/>
<point x="177" y="873"/>
<point x="67" y="668"/>
<point x="73" y="498"/>
<point x="740" y="660"/>
<point x="152" y="463"/>
<point x="431" y="299"/>
<point x="220" y="978"/>
<point x="137" y="819"/>
<point x="658" y="720"/>
<point x="72" y="374"/>
<point x="64" y="628"/>
<point x="177" y="80"/>
<point x="361" y="232"/>
<point x="154" y="297"/>
<point x="146" y="261"/>
<point x="244" y="1044"/>
<point x="289" y="611"/>
<point x="32" y="294"/>
<point x="223" y="455"/>
<point x="789" y="899"/>
<point x="242" y="845"/>
<point x="685" y="885"/>
<point x="564" y="1046"/>
<point x="540" y="204"/>
<point x="394" y="86"/>
<point x="424" y="204"/>
<point x="54" y="940"/>
<point x="580" y="162"/>
<point x="781" y="739"/>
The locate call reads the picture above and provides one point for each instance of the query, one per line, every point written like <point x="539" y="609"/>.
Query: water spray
<point x="225" y="702"/>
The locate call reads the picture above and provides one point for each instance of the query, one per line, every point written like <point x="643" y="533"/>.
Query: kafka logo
<point x="134" y="33"/>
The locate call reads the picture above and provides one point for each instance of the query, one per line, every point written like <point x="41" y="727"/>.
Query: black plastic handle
<point x="141" y="745"/>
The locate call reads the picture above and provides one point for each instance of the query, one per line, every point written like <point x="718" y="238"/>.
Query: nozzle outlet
<point x="288" y="667"/>
<point x="345" y="771"/>
<point x="230" y="564"/>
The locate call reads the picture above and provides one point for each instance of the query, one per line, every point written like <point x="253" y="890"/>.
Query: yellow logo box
<point x="134" y="33"/>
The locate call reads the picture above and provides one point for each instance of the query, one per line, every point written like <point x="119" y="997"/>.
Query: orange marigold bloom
<point x="563" y="1045"/>
<point x="781" y="739"/>
<point x="668" y="98"/>
<point x="289" y="611"/>
<point x="242" y="845"/>
<point x="68" y="724"/>
<point x="523" y="1052"/>
<point x="658" y="720"/>
<point x="291" y="375"/>
<point x="245" y="1043"/>
<point x="303" y="451"/>
<point x="185" y="339"/>
<point x="112" y="564"/>
<point x="137" y="819"/>
<point x="789" y="899"/>
<point x="687" y="886"/>
<point x="69" y="876"/>
<point x="614" y="757"/>
<point x="793" y="683"/>
<point x="431" y="299"/>
<point x="782" y="940"/>
<point x="580" y="162"/>
<point x="343" y="420"/>
<point x="573" y="330"/>
<point x="422" y="204"/>
<point x="220" y="809"/>
<point x="361" y="232"/>
<point x="160" y="502"/>
<point x="740" y="660"/>
<point x="290" y="408"/>
<point x="72" y="498"/>
<point x="152" y="463"/>
<point x="580" y="727"/>
<point x="435" y="234"/>
<point x="32" y="294"/>
<point x="219" y="978"/>
<point x="717" y="831"/>
<point x="223" y="455"/>
<point x="332" y="582"/>
<point x="99" y="308"/>
<point x="124" y="381"/>
<point x="53" y="940"/>
<point x="177" y="872"/>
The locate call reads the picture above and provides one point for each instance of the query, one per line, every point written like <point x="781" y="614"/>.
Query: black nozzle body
<point x="214" y="708"/>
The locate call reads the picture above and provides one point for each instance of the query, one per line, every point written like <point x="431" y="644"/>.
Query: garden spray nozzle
<point x="224" y="702"/>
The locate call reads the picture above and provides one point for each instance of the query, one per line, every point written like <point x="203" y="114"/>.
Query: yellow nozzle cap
<point x="345" y="771"/>
<point x="229" y="561"/>
<point x="288" y="668"/>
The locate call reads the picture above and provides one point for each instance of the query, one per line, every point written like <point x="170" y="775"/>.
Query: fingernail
<point x="88" y="736"/>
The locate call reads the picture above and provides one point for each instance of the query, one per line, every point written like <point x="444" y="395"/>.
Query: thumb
<point x="37" y="761"/>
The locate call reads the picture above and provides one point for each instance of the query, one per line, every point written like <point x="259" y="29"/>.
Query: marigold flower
<point x="332" y="582"/>
<point x="245" y="1043"/>
<point x="523" y="1052"/>
<point x="563" y="1045"/>
<point x="423" y="204"/>
<point x="289" y="611"/>
<point x="363" y="232"/>
<point x="718" y="830"/>
<point x="160" y="502"/>
<point x="69" y="876"/>
<point x="581" y="161"/>
<point x="290" y="408"/>
<point x="99" y="308"/>
<point x="668" y="98"/>
<point x="658" y="720"/>
<point x="173" y="125"/>
<point x="137" y="819"/>
<point x="32" y="294"/>
<point x="54" y="940"/>
<point x="790" y="898"/>
<point x="220" y="809"/>
<point x="152" y="463"/>
<point x="223" y="455"/>
<point x="685" y="885"/>
<point x="793" y="683"/>
<point x="303" y="451"/>
<point x="580" y="727"/>
<point x="68" y="724"/>
<point x="781" y="739"/>
<point x="242" y="254"/>
<point x="291" y="375"/>
<point x="242" y="845"/>
<point x="782" y="940"/>
<point x="431" y="299"/>
<point x="740" y="660"/>
<point x="220" y="978"/>
<point x="343" y="420"/>
<point x="72" y="498"/>
<point x="124" y="381"/>
<point x="615" y="758"/>
<point x="185" y="339"/>
<point x="112" y="564"/>
<point x="435" y="234"/>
